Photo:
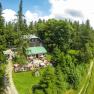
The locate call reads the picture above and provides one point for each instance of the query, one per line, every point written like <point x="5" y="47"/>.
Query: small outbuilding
<point x="36" y="47"/>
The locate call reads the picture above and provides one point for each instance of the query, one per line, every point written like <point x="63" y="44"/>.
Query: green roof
<point x="35" y="50"/>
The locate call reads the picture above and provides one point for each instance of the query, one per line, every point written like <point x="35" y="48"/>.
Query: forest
<point x="69" y="43"/>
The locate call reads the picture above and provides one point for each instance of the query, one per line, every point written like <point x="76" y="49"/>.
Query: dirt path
<point x="10" y="87"/>
<point x="87" y="77"/>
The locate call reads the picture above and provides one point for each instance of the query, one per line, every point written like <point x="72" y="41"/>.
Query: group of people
<point x="33" y="63"/>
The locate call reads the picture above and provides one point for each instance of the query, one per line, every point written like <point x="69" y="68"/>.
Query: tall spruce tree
<point x="20" y="17"/>
<point x="1" y="18"/>
<point x="2" y="47"/>
<point x="20" y="24"/>
<point x="2" y="31"/>
<point x="0" y="9"/>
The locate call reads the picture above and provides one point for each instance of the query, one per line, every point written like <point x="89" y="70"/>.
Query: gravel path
<point x="9" y="84"/>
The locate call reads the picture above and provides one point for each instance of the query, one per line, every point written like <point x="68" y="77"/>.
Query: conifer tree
<point x="1" y="18"/>
<point x="20" y="16"/>
<point x="2" y="47"/>
<point x="2" y="32"/>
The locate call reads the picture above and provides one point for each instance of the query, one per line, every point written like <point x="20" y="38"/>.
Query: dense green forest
<point x="70" y="45"/>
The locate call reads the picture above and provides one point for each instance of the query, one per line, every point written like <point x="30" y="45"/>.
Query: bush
<point x="49" y="57"/>
<point x="20" y="59"/>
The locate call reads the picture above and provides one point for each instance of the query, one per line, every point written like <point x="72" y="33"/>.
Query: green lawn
<point x="25" y="80"/>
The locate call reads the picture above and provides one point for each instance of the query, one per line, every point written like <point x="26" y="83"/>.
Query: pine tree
<point x="60" y="82"/>
<point x="1" y="18"/>
<point x="20" y="24"/>
<point x="2" y="32"/>
<point x="2" y="47"/>
<point x="20" y="17"/>
<point x="47" y="83"/>
<point x="0" y="9"/>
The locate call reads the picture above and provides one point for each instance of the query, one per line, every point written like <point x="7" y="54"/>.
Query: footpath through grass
<point x="25" y="80"/>
<point x="90" y="87"/>
<point x="87" y="80"/>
